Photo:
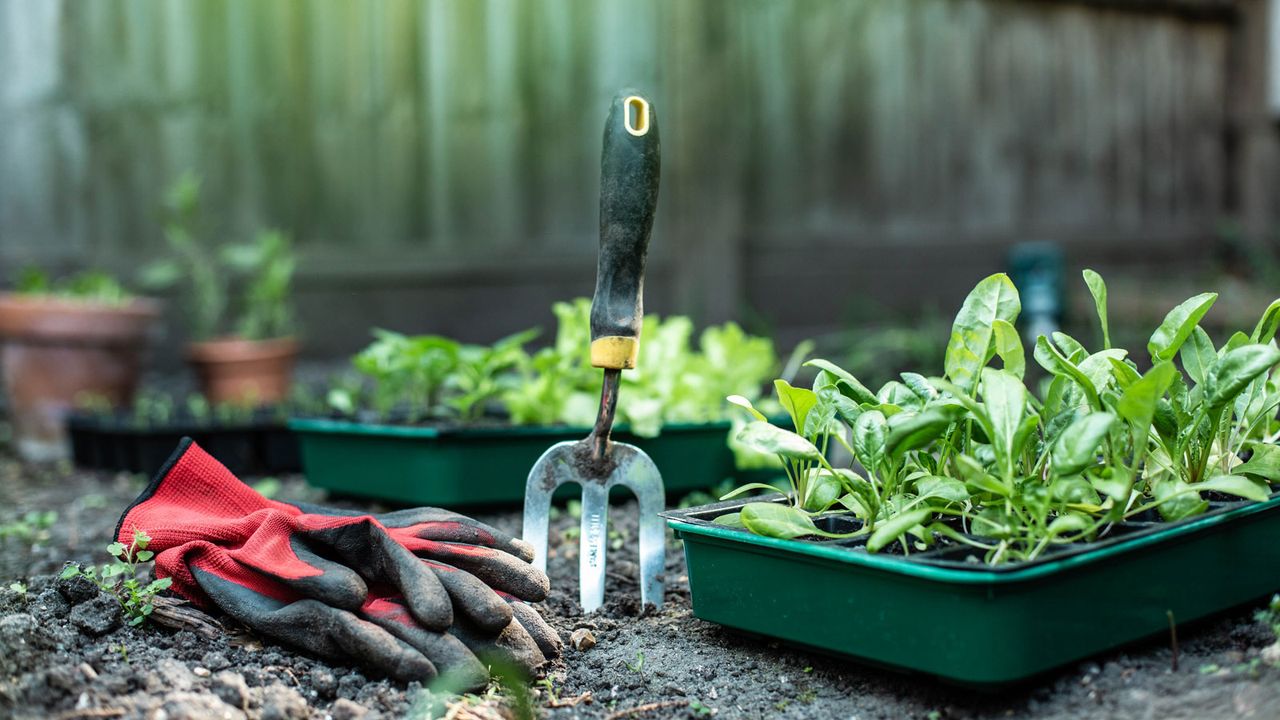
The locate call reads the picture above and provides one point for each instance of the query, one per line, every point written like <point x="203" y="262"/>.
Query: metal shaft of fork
<point x="608" y="408"/>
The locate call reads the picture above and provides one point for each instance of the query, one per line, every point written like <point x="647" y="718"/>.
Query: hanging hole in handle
<point x="636" y="115"/>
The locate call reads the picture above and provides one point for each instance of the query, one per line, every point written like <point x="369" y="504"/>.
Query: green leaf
<point x="117" y="549"/>
<point x="944" y="488"/>
<point x="1052" y="359"/>
<point x="1070" y="347"/>
<point x="1124" y="373"/>
<point x="1235" y="370"/>
<point x="916" y="431"/>
<point x="1178" y="326"/>
<point x="778" y="521"/>
<point x="976" y="477"/>
<point x="1264" y="463"/>
<point x="1176" y="502"/>
<point x="847" y="409"/>
<point x="1237" y="340"/>
<point x="144" y="556"/>
<point x="1098" y="289"/>
<point x="1099" y="369"/>
<point x="1267" y="324"/>
<point x="70" y="571"/>
<point x="897" y="394"/>
<point x="1115" y="483"/>
<point x="1138" y="402"/>
<point x="1064" y="524"/>
<point x="745" y="403"/>
<point x="821" y="491"/>
<point x="1009" y="348"/>
<point x="895" y="527"/>
<point x="158" y="585"/>
<point x="748" y="487"/>
<point x="870" y="433"/>
<point x="1077" y="447"/>
<point x="851" y="387"/>
<point x="971" y="343"/>
<point x="769" y="438"/>
<point x="919" y="385"/>
<point x="1236" y="485"/>
<point x="796" y="401"/>
<point x="1005" y="399"/>
<point x="732" y="519"/>
<point x="1198" y="355"/>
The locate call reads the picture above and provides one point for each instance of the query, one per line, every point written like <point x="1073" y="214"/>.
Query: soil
<point x="65" y="653"/>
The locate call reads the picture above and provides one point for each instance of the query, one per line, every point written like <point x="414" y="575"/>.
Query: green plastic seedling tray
<point x="973" y="624"/>
<point x="449" y="467"/>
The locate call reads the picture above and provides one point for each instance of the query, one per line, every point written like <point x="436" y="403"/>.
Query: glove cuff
<point x="190" y="488"/>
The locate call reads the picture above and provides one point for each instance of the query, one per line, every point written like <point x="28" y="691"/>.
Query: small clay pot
<point x="55" y="350"/>
<point x="233" y="370"/>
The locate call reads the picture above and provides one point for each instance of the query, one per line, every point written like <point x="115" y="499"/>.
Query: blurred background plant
<point x="227" y="288"/>
<point x="93" y="286"/>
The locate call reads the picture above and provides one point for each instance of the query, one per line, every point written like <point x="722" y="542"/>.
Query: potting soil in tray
<point x="941" y="613"/>
<point x="422" y="465"/>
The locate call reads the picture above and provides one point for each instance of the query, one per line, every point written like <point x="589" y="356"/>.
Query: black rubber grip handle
<point x="629" y="169"/>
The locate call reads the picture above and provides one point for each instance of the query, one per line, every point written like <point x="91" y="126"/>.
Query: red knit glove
<point x="342" y="584"/>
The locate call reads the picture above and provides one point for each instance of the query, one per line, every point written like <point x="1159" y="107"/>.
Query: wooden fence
<point x="437" y="160"/>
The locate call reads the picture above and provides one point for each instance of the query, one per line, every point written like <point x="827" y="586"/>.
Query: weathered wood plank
<point x="435" y="140"/>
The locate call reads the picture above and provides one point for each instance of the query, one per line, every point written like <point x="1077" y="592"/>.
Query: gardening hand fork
<point x="628" y="195"/>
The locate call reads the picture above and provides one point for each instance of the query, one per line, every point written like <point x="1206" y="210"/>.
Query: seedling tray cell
<point x="973" y="624"/>
<point x="422" y="465"/>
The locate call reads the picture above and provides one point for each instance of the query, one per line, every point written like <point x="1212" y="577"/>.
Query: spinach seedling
<point x="977" y="458"/>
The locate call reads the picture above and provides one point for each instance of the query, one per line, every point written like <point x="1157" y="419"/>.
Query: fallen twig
<point x="180" y="615"/>
<point x="91" y="713"/>
<point x="571" y="702"/>
<point x="647" y="707"/>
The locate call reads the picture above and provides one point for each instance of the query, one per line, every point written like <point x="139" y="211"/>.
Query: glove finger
<point x="336" y="585"/>
<point x="513" y="646"/>
<point x="544" y="635"/>
<point x="317" y="628"/>
<point x="457" y="665"/>
<point x="366" y="546"/>
<point x="472" y="598"/>
<point x="499" y="570"/>
<point x="436" y="524"/>
<point x="448" y="526"/>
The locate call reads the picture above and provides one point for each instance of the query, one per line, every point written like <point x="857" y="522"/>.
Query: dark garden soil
<point x="64" y="652"/>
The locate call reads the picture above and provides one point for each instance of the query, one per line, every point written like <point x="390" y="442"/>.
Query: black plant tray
<point x="261" y="445"/>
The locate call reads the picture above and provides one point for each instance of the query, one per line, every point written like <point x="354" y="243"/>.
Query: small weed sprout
<point x="120" y="578"/>
<point x="638" y="665"/>
<point x="698" y="708"/>
<point x="32" y="527"/>
<point x="19" y="587"/>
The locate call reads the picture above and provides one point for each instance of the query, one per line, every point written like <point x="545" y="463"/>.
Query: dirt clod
<point x="283" y="703"/>
<point x="97" y="617"/>
<point x="345" y="709"/>
<point x="198" y="706"/>
<point x="231" y="689"/>
<point x="76" y="589"/>
<point x="22" y="643"/>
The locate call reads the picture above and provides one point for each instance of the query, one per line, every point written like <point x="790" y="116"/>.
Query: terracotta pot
<point x="236" y="370"/>
<point x="53" y="350"/>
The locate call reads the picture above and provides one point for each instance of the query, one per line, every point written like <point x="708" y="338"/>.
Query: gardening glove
<point x="274" y="565"/>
